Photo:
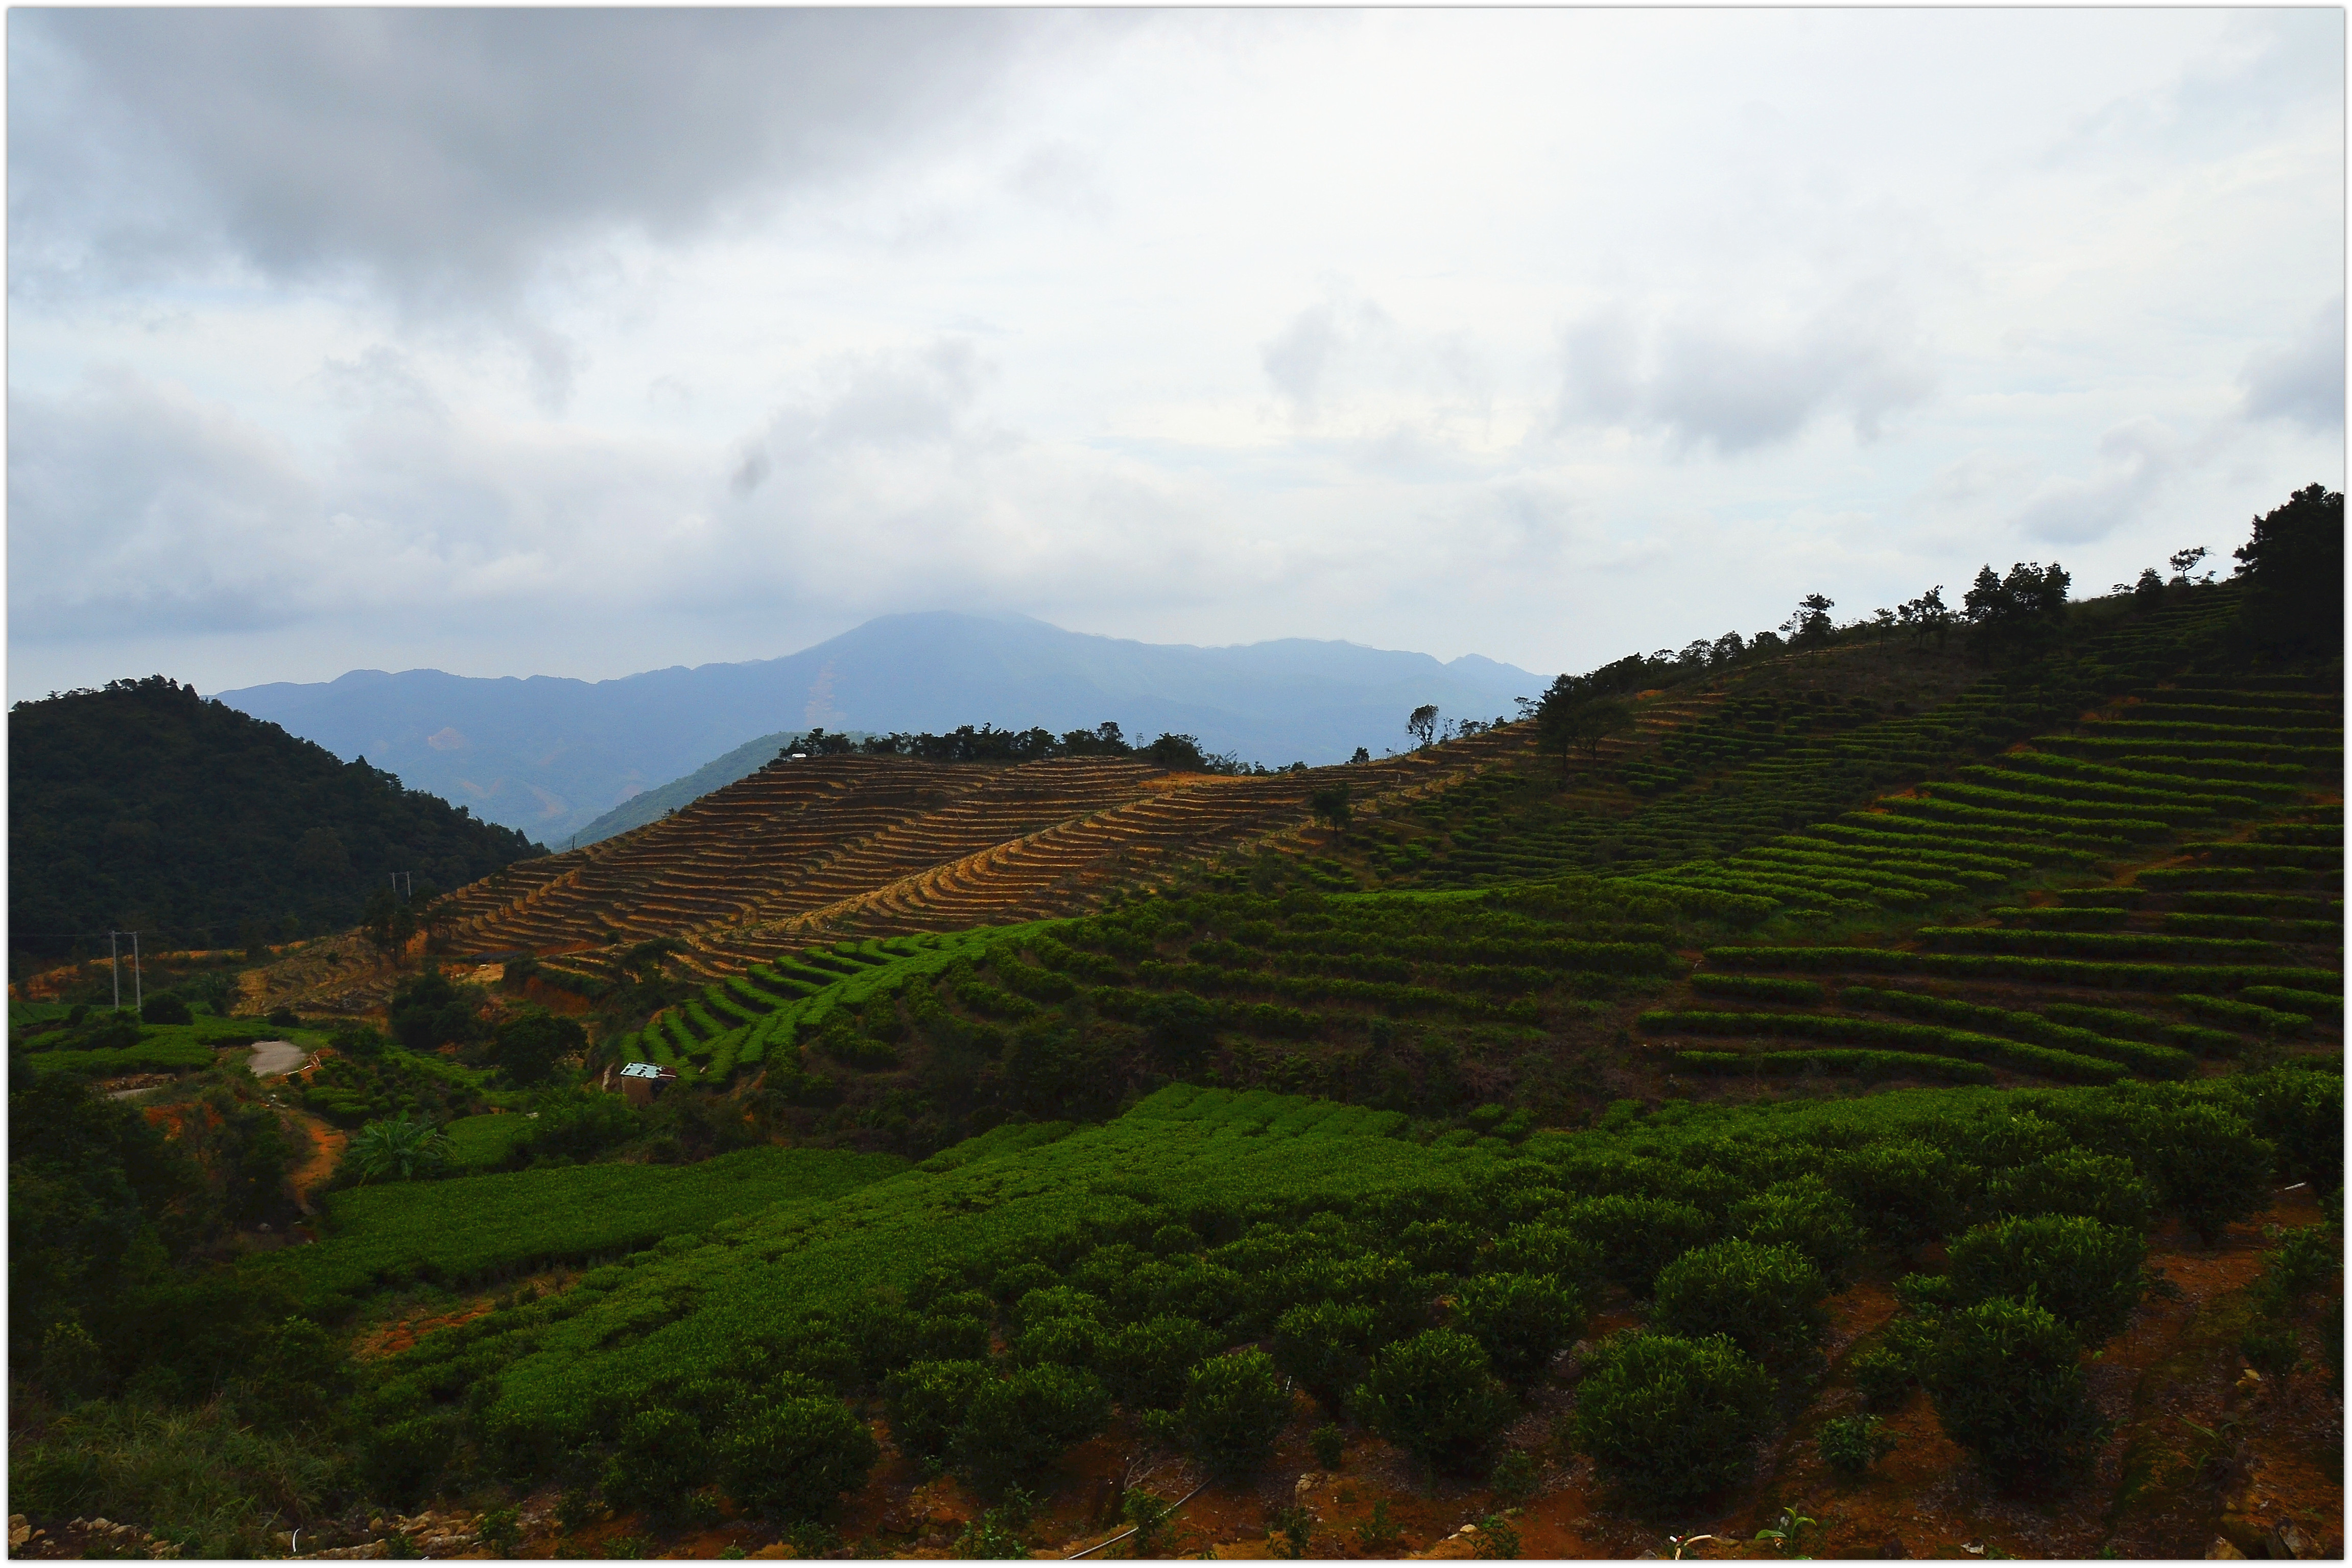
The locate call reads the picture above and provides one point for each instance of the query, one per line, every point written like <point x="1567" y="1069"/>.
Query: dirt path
<point x="326" y="1142"/>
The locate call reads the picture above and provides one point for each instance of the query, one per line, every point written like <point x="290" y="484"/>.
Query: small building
<point x="640" y="1081"/>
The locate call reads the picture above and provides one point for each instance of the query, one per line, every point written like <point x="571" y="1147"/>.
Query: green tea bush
<point x="950" y="1336"/>
<point x="1872" y="1065"/>
<point x="2245" y="1014"/>
<point x="2313" y="1003"/>
<point x="1235" y="1406"/>
<point x="659" y="1458"/>
<point x="2007" y="1381"/>
<point x="1325" y="1348"/>
<point x="2205" y="1164"/>
<point x="1884" y="1375"/>
<point x="1766" y="1300"/>
<point x="1636" y="1236"/>
<point x="2103" y="1187"/>
<point x="1063" y="1341"/>
<point x="1398" y="1295"/>
<point x="2304" y="1260"/>
<point x="926" y="1403"/>
<point x="1850" y="1445"/>
<point x="1670" y="1421"/>
<point x="1803" y="1212"/>
<point x="1435" y="1395"/>
<point x="793" y="1459"/>
<point x="1520" y="1320"/>
<point x="1438" y="1246"/>
<point x="1016" y="1426"/>
<point x="1759" y="988"/>
<point x="1147" y="1364"/>
<point x="2272" y="1349"/>
<point x="401" y="1462"/>
<point x="1544" y="1248"/>
<point x="2301" y="1113"/>
<point x="1906" y="1190"/>
<point x="1015" y="1281"/>
<point x="1330" y="1444"/>
<point x="2086" y="1274"/>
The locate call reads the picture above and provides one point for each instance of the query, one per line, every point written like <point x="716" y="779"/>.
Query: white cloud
<point x="2300" y="380"/>
<point x="1705" y="381"/>
<point x="2135" y="460"/>
<point x="589" y="341"/>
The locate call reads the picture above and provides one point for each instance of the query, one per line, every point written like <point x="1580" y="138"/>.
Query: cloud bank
<point x="585" y="342"/>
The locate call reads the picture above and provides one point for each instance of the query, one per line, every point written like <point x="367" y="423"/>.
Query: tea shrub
<point x="2300" y="1112"/>
<point x="1435" y="1396"/>
<point x="1514" y="1478"/>
<point x="1906" y="1191"/>
<point x="1520" y="1320"/>
<point x="1766" y="1298"/>
<point x="2086" y="1274"/>
<point x="2007" y="1381"/>
<point x="1330" y="1444"/>
<point x="1235" y="1406"/>
<point x="1325" y="1348"/>
<point x="1850" y="1445"/>
<point x="793" y="1458"/>
<point x="1544" y="1248"/>
<point x="1147" y="1364"/>
<point x="2272" y="1350"/>
<point x="1884" y="1375"/>
<point x="1018" y="1425"/>
<point x="1670" y="1420"/>
<point x="660" y="1457"/>
<point x="1636" y="1236"/>
<point x="926" y="1403"/>
<point x="1803" y="1212"/>
<point x="2103" y="1187"/>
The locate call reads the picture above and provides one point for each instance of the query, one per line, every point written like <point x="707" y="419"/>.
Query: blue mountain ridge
<point x="549" y="755"/>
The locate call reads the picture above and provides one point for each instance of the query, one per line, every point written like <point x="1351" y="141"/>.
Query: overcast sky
<point x="586" y="342"/>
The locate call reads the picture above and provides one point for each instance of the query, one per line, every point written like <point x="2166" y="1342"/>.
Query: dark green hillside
<point x="144" y="805"/>
<point x="1795" y="742"/>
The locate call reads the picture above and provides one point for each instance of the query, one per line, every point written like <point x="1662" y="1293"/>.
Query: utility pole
<point x="138" y="992"/>
<point x="404" y="883"/>
<point x="114" y="958"/>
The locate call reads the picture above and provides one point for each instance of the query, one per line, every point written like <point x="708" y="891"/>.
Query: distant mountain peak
<point x="551" y="752"/>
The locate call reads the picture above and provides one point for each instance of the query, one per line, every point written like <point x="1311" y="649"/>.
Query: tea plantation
<point x="1577" y="1099"/>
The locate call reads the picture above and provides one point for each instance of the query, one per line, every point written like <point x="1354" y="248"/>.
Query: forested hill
<point x="144" y="805"/>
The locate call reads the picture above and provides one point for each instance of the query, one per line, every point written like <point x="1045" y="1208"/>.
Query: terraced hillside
<point x="1798" y="741"/>
<point x="2093" y="902"/>
<point x="809" y="849"/>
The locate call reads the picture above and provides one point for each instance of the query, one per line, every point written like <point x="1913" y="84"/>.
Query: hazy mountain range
<point x="550" y="755"/>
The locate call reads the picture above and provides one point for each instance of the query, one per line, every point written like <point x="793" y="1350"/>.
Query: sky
<point x="585" y="342"/>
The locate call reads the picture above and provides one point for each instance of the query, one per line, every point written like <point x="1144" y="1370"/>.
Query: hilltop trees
<point x="2017" y="612"/>
<point x="2293" y="569"/>
<point x="1575" y="713"/>
<point x="986" y="743"/>
<point x="1811" y="626"/>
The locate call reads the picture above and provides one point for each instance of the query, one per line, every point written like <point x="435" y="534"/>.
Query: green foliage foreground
<point x="1204" y="1220"/>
